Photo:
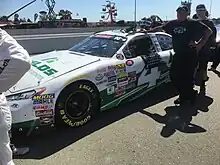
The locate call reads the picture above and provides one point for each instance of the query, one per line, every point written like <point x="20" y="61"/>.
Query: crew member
<point x="185" y="60"/>
<point x="14" y="63"/>
<point x="205" y="53"/>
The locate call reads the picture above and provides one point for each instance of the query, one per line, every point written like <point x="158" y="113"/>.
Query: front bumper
<point x="27" y="115"/>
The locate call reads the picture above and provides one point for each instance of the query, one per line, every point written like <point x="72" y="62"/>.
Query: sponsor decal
<point x="129" y="62"/>
<point x="120" y="66"/>
<point x="42" y="97"/>
<point x="132" y="76"/>
<point x="47" y="120"/>
<point x="112" y="78"/>
<point x="43" y="113"/>
<point x="101" y="82"/>
<point x="110" y="73"/>
<point x="45" y="101"/>
<point x="99" y="77"/>
<point x="119" y="91"/>
<point x="122" y="79"/>
<point x="14" y="106"/>
<point x="44" y="68"/>
<point x="112" y="68"/>
<point x="43" y="107"/>
<point x="111" y="90"/>
<point x="86" y="87"/>
<point x="122" y="75"/>
<point x="121" y="84"/>
<point x="120" y="57"/>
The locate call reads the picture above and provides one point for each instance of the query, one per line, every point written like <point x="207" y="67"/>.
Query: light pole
<point x="135" y="14"/>
<point x="210" y="10"/>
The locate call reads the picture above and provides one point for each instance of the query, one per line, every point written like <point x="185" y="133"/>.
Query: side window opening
<point x="165" y="42"/>
<point x="138" y="47"/>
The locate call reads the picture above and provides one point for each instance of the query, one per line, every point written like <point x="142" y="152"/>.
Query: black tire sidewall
<point x="63" y="118"/>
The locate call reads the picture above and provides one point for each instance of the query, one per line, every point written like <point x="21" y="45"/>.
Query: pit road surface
<point x="129" y="136"/>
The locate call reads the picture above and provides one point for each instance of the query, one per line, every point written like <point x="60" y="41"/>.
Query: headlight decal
<point x="25" y="95"/>
<point x="21" y="96"/>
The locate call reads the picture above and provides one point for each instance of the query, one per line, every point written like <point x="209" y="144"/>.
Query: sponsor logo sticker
<point x="120" y="57"/>
<point x="43" y="113"/>
<point x="99" y="77"/>
<point x="42" y="97"/>
<point x="129" y="62"/>
<point x="112" y="78"/>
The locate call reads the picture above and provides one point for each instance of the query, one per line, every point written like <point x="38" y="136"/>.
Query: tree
<point x="65" y="14"/>
<point x="43" y="16"/>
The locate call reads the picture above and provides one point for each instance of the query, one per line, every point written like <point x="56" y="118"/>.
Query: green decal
<point x="44" y="68"/>
<point x="51" y="60"/>
<point x="50" y="72"/>
<point x="35" y="63"/>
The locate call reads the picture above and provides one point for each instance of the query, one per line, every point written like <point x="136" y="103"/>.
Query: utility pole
<point x="210" y="10"/>
<point x="135" y="14"/>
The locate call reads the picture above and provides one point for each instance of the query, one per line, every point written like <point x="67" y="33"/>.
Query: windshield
<point x="100" y="45"/>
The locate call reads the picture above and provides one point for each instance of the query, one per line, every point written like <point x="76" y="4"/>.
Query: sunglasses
<point x="200" y="10"/>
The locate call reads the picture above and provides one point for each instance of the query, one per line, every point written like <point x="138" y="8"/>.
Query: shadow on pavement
<point x="179" y="118"/>
<point x="45" y="144"/>
<point x="217" y="73"/>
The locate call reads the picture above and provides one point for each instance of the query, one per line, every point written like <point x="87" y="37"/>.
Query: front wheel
<point x="77" y="104"/>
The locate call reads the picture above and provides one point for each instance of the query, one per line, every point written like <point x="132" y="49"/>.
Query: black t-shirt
<point x="184" y="32"/>
<point x="212" y="38"/>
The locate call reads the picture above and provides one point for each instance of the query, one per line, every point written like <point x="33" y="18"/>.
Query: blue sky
<point x="85" y="8"/>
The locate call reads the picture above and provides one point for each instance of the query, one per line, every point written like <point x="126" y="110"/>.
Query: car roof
<point x="117" y="32"/>
<point x="120" y="33"/>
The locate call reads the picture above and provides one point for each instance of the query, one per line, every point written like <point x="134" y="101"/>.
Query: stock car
<point x="69" y="87"/>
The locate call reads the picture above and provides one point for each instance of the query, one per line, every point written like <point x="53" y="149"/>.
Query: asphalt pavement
<point x="142" y="132"/>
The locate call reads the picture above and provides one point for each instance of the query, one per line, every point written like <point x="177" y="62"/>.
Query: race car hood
<point x="50" y="65"/>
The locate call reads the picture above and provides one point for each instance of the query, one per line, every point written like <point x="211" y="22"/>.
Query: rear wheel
<point x="77" y="104"/>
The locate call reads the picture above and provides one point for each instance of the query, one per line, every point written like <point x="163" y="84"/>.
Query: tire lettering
<point x="70" y="123"/>
<point x="62" y="112"/>
<point x="86" y="87"/>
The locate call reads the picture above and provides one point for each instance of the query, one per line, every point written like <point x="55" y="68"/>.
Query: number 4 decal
<point x="153" y="76"/>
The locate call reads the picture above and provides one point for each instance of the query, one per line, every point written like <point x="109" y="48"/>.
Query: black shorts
<point x="203" y="60"/>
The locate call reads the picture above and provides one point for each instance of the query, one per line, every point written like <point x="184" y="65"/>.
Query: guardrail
<point x="58" y="30"/>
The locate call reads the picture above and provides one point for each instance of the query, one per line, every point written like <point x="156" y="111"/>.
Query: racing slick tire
<point x="77" y="104"/>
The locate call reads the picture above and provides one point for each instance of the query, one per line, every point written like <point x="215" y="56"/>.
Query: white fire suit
<point x="14" y="63"/>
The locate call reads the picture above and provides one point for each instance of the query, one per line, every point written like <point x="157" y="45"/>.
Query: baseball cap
<point x="201" y="7"/>
<point x="182" y="8"/>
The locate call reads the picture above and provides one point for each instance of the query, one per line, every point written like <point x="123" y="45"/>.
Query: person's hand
<point x="143" y="30"/>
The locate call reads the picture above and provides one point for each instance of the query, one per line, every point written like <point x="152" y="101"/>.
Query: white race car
<point x="69" y="87"/>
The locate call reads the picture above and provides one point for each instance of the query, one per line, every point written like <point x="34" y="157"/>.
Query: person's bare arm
<point x="207" y="33"/>
<point x="156" y="29"/>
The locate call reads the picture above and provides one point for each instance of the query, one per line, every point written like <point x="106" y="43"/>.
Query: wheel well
<point x="80" y="81"/>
